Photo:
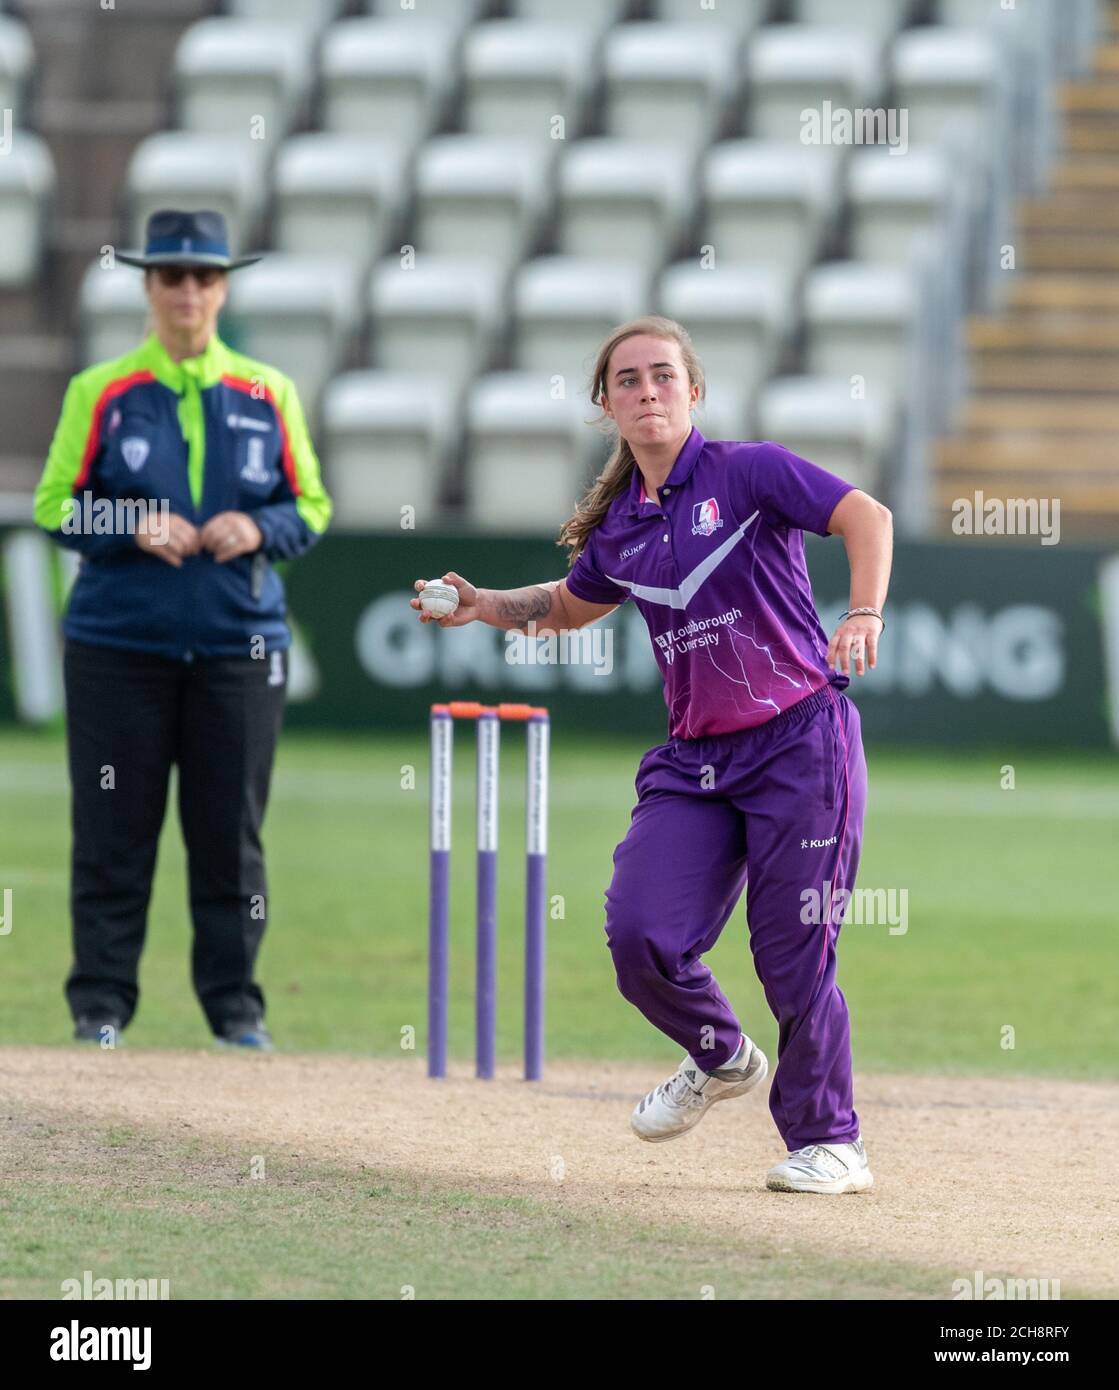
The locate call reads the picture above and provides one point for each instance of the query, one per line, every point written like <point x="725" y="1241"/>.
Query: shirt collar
<point x="205" y="369"/>
<point x="681" y="470"/>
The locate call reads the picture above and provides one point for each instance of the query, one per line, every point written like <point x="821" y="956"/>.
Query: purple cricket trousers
<point x="780" y="805"/>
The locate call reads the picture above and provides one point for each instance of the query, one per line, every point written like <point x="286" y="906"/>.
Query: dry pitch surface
<point x="1005" y="1176"/>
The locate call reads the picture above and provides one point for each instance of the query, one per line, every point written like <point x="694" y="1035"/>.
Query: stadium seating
<point x="529" y="454"/>
<point x="623" y="199"/>
<point x="16" y="59"/>
<point x="314" y="15"/>
<point x="242" y="76"/>
<point x="797" y="67"/>
<point x="27" y="183"/>
<point x="817" y="418"/>
<point x="724" y="413"/>
<point x="860" y="324"/>
<point x="599" y="14"/>
<point x="112" y="312"/>
<point x="669" y="82"/>
<point x="741" y="18"/>
<point x="177" y="168"/>
<point x="458" y="15"/>
<point x="948" y="77"/>
<point x="562" y="306"/>
<point x="958" y="94"/>
<point x="893" y="199"/>
<point x="298" y="313"/>
<point x="389" y="437"/>
<point x="440" y="317"/>
<point x="341" y="195"/>
<point x="519" y="76"/>
<point x="432" y="217"/>
<point x="770" y="203"/>
<point x="738" y="317"/>
<point x="879" y="18"/>
<point x="479" y="195"/>
<point x="387" y="77"/>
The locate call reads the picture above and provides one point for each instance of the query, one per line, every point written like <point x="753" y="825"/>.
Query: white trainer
<point x="679" y="1103"/>
<point x="827" y="1168"/>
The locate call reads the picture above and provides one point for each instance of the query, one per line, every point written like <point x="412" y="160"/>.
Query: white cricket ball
<point x="438" y="599"/>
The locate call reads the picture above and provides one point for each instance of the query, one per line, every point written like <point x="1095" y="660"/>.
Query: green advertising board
<point x="985" y="643"/>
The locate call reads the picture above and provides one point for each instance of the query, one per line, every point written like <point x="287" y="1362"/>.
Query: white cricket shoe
<point x="828" y="1168"/>
<point x="680" y="1102"/>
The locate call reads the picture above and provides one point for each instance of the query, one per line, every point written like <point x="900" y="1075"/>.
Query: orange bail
<point x="472" y="709"/>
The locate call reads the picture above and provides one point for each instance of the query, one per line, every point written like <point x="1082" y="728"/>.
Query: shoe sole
<point x="857" y="1182"/>
<point x="743" y="1086"/>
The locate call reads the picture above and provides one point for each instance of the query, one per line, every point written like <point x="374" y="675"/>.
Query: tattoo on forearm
<point x="522" y="605"/>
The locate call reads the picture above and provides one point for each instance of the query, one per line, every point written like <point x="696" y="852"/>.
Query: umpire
<point x="179" y="472"/>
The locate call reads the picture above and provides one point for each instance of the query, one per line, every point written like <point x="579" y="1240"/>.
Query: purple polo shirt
<point x="718" y="573"/>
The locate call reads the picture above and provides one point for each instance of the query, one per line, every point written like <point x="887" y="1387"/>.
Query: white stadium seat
<point x="860" y="323"/>
<point x="440" y="317"/>
<point x="480" y="195"/>
<point x="17" y="56"/>
<point x="314" y="15"/>
<point x="668" y="81"/>
<point x="529" y="456"/>
<point x="739" y="318"/>
<point x="112" y="311"/>
<point x="770" y="203"/>
<point x="950" y="79"/>
<point x="27" y="183"/>
<point x="242" y="77"/>
<point x="387" y="76"/>
<point x="957" y="87"/>
<point x="817" y="418"/>
<point x="459" y="15"/>
<point x="880" y="18"/>
<point x="341" y="195"/>
<point x="1037" y="45"/>
<point x="518" y="76"/>
<point x="563" y="306"/>
<point x="298" y="313"/>
<point x="894" y="199"/>
<point x="388" y="437"/>
<point x="178" y="169"/>
<point x="624" y="199"/>
<point x="597" y="14"/>
<point x="724" y="413"/>
<point x="741" y="17"/>
<point x="793" y="68"/>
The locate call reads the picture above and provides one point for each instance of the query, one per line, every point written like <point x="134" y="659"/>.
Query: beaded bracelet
<point x="852" y="612"/>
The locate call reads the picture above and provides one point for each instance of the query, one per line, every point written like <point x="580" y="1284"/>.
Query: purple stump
<point x="536" y="862"/>
<point x="442" y="743"/>
<point x="485" y="984"/>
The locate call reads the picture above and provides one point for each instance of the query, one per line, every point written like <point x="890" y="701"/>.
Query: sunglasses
<point x="171" y="275"/>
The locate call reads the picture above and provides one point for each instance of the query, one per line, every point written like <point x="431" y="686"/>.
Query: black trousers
<point x="129" y="716"/>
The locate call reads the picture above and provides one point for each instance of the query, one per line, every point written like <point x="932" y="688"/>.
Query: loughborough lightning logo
<point x="705" y="518"/>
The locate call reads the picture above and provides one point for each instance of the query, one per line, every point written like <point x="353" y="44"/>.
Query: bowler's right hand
<point x="467" y="610"/>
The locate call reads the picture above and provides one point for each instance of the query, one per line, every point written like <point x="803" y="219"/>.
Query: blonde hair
<point x="615" y="477"/>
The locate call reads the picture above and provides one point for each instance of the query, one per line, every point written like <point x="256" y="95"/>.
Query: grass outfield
<point x="1010" y="909"/>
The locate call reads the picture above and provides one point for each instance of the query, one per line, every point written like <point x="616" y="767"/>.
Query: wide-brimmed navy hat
<point x="174" y="237"/>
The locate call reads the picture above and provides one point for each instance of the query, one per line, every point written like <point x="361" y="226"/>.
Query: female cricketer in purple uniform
<point x="762" y="779"/>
